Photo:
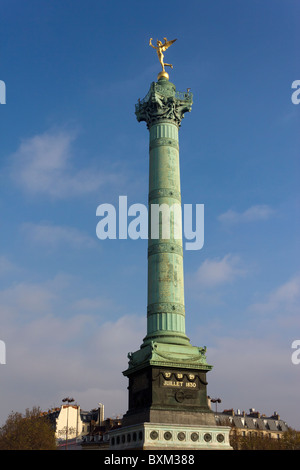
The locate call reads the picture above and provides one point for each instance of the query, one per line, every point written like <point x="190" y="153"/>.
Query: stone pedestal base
<point x="168" y="407"/>
<point x="158" y="436"/>
<point x="168" y="395"/>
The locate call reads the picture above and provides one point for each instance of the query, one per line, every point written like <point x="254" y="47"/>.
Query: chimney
<point x="253" y="413"/>
<point x="101" y="414"/>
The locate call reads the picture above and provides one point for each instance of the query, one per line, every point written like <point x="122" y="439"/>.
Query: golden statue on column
<point x="160" y="48"/>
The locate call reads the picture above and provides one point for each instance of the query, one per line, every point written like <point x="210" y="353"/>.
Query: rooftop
<point x="252" y="420"/>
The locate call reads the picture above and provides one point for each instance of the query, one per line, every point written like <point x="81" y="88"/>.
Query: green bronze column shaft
<point x="166" y="308"/>
<point x="165" y="344"/>
<point x="163" y="110"/>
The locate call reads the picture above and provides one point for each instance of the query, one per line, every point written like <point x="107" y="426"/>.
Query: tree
<point x="31" y="431"/>
<point x="290" y="440"/>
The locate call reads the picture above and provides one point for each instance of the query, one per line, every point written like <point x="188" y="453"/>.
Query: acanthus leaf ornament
<point x="163" y="103"/>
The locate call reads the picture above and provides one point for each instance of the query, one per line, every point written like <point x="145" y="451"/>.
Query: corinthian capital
<point x="163" y="103"/>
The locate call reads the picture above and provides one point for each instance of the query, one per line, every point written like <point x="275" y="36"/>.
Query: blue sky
<point x="73" y="306"/>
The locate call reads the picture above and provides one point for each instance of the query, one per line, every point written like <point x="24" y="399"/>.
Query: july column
<point x="163" y="111"/>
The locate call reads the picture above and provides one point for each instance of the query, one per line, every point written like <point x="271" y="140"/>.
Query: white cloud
<point x="6" y="266"/>
<point x="55" y="348"/>
<point x="282" y="301"/>
<point x="55" y="235"/>
<point x="255" y="372"/>
<point x="43" y="164"/>
<point x="215" y="272"/>
<point x="88" y="304"/>
<point x="25" y="298"/>
<point x="254" y="213"/>
<point x="51" y="355"/>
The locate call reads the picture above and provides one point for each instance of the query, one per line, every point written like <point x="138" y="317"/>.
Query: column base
<point x="165" y="436"/>
<point x="167" y="354"/>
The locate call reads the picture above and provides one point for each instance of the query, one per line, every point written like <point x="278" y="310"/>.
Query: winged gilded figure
<point x="160" y="48"/>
